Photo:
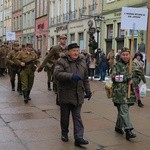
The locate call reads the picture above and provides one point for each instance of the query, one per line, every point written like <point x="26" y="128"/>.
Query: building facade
<point x="41" y="26"/>
<point x="7" y="18"/>
<point x="71" y="18"/>
<point x="1" y="21"/>
<point x="28" y="21"/>
<point x="113" y="36"/>
<point x="17" y="24"/>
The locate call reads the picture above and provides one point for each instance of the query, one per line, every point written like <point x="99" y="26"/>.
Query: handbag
<point x="143" y="89"/>
<point x="109" y="89"/>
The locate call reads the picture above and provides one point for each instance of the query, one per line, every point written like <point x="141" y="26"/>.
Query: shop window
<point x="120" y="31"/>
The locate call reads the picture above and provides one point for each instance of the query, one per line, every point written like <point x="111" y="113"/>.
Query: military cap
<point x="29" y="44"/>
<point x="63" y="36"/>
<point x="73" y="45"/>
<point x="15" y="44"/>
<point x="125" y="49"/>
<point x="23" y="45"/>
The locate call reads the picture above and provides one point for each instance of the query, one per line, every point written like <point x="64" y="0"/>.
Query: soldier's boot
<point x="19" y="89"/>
<point x="13" y="85"/>
<point x="129" y="134"/>
<point x="28" y="95"/>
<point x="140" y="103"/>
<point x="25" y="97"/>
<point x="49" y="86"/>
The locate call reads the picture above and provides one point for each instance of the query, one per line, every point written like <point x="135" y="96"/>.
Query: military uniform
<point x="49" y="69"/>
<point x="28" y="61"/>
<point x="3" y="55"/>
<point x="14" y="69"/>
<point x="53" y="56"/>
<point x="120" y="78"/>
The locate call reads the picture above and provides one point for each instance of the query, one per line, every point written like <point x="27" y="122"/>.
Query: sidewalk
<point x="35" y="126"/>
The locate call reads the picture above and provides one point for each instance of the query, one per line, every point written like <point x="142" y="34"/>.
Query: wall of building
<point x="72" y="22"/>
<point x="113" y="37"/>
<point x="28" y="21"/>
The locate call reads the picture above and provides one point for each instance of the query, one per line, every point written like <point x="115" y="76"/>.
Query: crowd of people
<point x="68" y="72"/>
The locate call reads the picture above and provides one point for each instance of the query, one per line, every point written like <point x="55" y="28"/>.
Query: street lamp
<point x="98" y="20"/>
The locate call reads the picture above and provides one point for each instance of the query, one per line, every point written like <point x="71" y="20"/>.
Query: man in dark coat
<point x="71" y="72"/>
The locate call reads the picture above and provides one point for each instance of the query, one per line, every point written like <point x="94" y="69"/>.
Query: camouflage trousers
<point x="123" y="119"/>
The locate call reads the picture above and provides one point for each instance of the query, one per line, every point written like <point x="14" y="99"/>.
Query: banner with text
<point x="134" y="18"/>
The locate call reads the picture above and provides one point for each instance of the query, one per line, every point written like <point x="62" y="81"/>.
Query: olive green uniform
<point x="27" y="72"/>
<point x="14" y="69"/>
<point x="53" y="56"/>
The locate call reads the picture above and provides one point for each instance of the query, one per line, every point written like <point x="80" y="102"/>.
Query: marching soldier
<point x="28" y="60"/>
<point x="14" y="68"/>
<point x="53" y="56"/>
<point x="3" y="55"/>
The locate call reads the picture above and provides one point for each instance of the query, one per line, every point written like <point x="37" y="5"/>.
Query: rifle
<point x="32" y="62"/>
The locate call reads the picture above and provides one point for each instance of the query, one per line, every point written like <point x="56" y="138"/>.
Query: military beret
<point x="73" y="45"/>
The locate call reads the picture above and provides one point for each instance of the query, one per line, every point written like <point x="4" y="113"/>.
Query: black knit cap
<point x="73" y="45"/>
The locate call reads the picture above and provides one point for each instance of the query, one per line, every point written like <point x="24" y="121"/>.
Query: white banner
<point x="134" y="18"/>
<point x="10" y="36"/>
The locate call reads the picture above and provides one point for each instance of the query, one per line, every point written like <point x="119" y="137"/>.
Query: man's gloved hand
<point x="39" y="69"/>
<point x="75" y="77"/>
<point x="88" y="95"/>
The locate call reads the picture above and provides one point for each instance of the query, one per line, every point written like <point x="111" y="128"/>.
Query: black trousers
<point x="65" y="110"/>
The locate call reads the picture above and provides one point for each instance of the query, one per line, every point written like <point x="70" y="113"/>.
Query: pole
<point x="130" y="63"/>
<point x="97" y="38"/>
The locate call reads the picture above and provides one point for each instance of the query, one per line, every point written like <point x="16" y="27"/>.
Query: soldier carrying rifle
<point x="28" y="61"/>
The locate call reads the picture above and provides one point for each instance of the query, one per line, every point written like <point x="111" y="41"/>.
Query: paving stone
<point x="34" y="123"/>
<point x="47" y="107"/>
<point x="18" y="110"/>
<point x="38" y="134"/>
<point x="12" y="146"/>
<point x="59" y="145"/>
<point x="6" y="135"/>
<point x="25" y="116"/>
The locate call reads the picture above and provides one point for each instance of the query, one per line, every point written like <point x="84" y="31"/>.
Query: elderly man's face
<point x="74" y="53"/>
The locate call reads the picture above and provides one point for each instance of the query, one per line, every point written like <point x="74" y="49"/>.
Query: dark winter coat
<point x="69" y="91"/>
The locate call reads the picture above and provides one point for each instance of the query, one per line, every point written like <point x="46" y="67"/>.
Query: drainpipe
<point x="148" y="42"/>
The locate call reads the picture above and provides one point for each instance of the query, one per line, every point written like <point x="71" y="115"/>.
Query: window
<point x="72" y="38"/>
<point x="59" y="7"/>
<point x="66" y="6"/>
<point x="72" y="5"/>
<point x="120" y="31"/>
<point x="53" y="9"/>
<point x="52" y="40"/>
<point x="81" y="41"/>
<point x="83" y="3"/>
<point x="110" y="31"/>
